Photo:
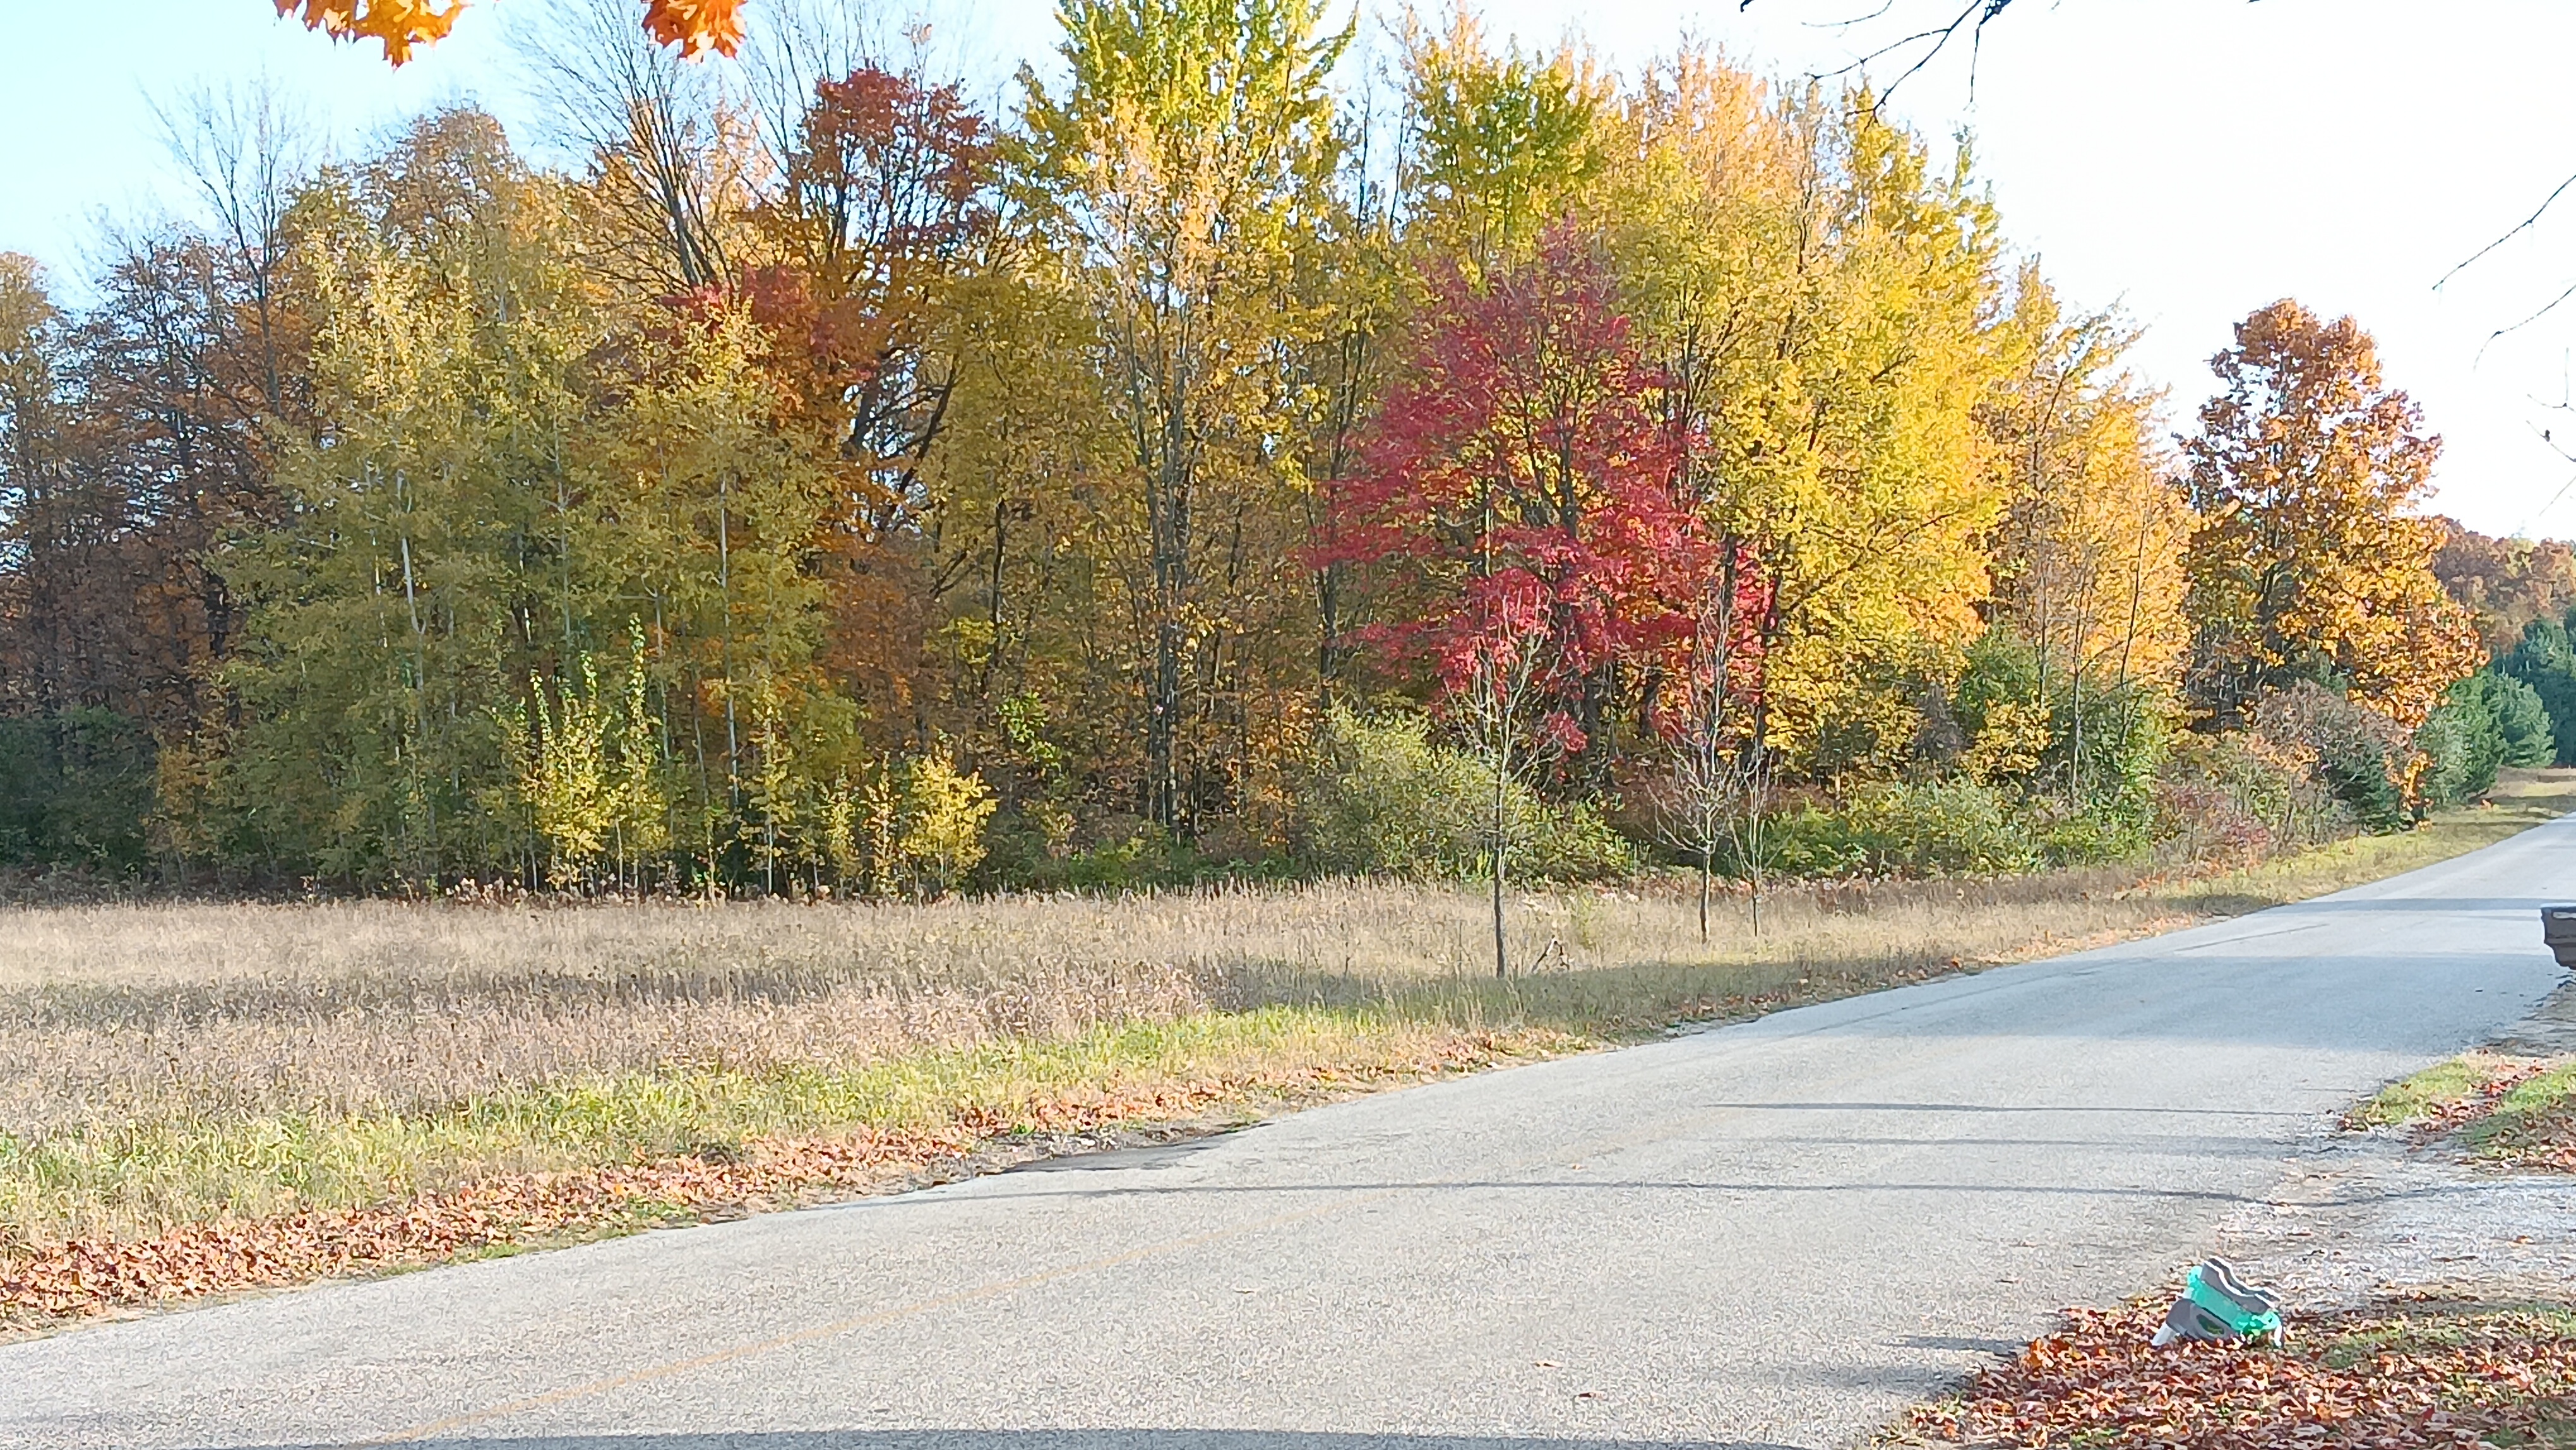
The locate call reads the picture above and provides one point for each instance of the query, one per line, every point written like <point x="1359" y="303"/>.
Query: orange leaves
<point x="2376" y="1380"/>
<point x="696" y="26"/>
<point x="95" y="1275"/>
<point x="60" y="1280"/>
<point x="2306" y="475"/>
<point x="398" y="25"/>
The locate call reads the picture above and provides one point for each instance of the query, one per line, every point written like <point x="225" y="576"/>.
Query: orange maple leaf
<point x="696" y="26"/>
<point x="398" y="25"/>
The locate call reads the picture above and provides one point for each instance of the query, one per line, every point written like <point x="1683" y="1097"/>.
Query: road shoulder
<point x="2429" y="1290"/>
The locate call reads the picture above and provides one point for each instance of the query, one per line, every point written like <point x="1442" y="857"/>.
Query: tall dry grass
<point x="108" y="1013"/>
<point x="164" y="1060"/>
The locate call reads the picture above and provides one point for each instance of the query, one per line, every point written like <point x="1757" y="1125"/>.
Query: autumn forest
<point x="1213" y="462"/>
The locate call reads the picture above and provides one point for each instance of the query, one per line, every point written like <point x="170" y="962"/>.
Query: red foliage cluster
<point x="1521" y="493"/>
<point x="2400" y="1378"/>
<point x="885" y="202"/>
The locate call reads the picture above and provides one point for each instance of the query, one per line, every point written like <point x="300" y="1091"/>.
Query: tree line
<point x="1200" y="464"/>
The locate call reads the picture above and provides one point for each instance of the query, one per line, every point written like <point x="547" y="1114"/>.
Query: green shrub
<point x="1940" y="828"/>
<point x="2521" y="720"/>
<point x="2104" y="831"/>
<point x="1383" y="798"/>
<point x="2546" y="662"/>
<point x="2460" y="748"/>
<point x="75" y="790"/>
<point x="2462" y="741"/>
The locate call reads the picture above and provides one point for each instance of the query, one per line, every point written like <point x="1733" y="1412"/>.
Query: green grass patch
<point x="2425" y="1095"/>
<point x="2448" y="1328"/>
<point x="174" y="1170"/>
<point x="2530" y="1123"/>
<point x="2510" y="1110"/>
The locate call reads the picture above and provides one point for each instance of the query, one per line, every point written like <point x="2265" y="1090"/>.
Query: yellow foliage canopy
<point x="2307" y="557"/>
<point x="2088" y="560"/>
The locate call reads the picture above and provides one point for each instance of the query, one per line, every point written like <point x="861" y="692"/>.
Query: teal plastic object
<point x="2248" y="1317"/>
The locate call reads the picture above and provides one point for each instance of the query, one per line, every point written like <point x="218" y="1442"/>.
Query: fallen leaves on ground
<point x="2542" y="1136"/>
<point x="86" y="1277"/>
<point x="2507" y="1074"/>
<point x="2399" y="1377"/>
<point x="2497" y="1128"/>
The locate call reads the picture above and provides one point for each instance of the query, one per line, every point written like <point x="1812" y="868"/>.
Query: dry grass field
<point x="169" y="1065"/>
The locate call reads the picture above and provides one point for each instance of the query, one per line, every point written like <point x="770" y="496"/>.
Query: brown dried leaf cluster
<point x="2402" y="1378"/>
<point x="2451" y="1117"/>
<point x="91" y="1276"/>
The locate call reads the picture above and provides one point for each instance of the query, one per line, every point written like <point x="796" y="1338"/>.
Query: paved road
<point x="1768" y="1235"/>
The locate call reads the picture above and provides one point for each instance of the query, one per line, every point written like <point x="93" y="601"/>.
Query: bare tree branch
<point x="2526" y="224"/>
<point x="1972" y="18"/>
<point x="2542" y="311"/>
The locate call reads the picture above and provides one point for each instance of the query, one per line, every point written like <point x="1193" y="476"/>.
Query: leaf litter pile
<point x="2400" y="1375"/>
<point x="47" y="1285"/>
<point x="2538" y="1134"/>
<point x="2498" y="1077"/>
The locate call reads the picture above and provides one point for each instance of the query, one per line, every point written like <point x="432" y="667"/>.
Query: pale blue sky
<point x="2192" y="159"/>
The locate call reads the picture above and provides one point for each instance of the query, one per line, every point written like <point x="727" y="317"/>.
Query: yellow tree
<point x="706" y="499"/>
<point x="2088" y="558"/>
<point x="2308" y="561"/>
<point x="1498" y="146"/>
<point x="428" y="565"/>
<point x="1817" y="293"/>
<point x="1179" y="173"/>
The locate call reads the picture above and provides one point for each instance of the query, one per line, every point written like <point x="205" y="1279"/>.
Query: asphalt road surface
<point x="1775" y="1234"/>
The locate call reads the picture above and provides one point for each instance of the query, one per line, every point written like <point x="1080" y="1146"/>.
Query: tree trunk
<point x="1502" y="778"/>
<point x="1707" y="870"/>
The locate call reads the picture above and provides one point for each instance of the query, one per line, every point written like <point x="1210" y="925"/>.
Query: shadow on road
<point x="1048" y="1440"/>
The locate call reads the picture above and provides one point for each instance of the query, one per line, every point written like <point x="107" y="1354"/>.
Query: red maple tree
<point x="1515" y="507"/>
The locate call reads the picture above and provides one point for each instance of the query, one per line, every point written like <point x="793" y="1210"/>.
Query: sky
<point x="2188" y="161"/>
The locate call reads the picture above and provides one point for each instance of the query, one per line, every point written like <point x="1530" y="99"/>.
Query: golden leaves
<point x="398" y="25"/>
<point x="696" y="26"/>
